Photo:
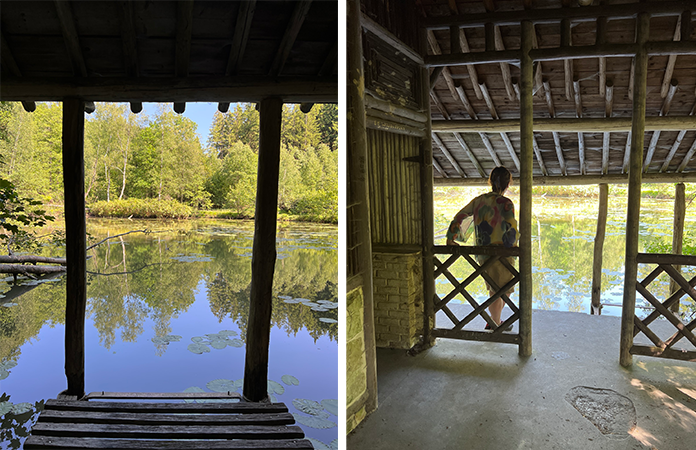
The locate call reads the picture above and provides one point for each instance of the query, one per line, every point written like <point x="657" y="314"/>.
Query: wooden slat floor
<point x="83" y="424"/>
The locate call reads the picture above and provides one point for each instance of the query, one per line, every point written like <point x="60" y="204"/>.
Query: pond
<point x="167" y="312"/>
<point x="563" y="232"/>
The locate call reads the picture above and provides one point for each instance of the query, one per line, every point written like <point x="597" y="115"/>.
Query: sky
<point x="201" y="113"/>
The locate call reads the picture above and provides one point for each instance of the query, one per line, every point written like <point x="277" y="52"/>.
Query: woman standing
<point x="493" y="217"/>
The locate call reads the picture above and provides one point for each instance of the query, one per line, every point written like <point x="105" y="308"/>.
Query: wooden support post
<point x="678" y="235"/>
<point x="263" y="252"/>
<point x="75" y="243"/>
<point x="428" y="215"/>
<point x="357" y="159"/>
<point x="634" y="185"/>
<point x="526" y="164"/>
<point x="596" y="306"/>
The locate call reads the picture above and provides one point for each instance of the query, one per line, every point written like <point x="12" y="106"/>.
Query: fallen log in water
<point x="21" y="268"/>
<point x="30" y="259"/>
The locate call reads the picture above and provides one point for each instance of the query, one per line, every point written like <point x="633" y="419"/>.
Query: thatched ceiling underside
<point x="604" y="88"/>
<point x="169" y="50"/>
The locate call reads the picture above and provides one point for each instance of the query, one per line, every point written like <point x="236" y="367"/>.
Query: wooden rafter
<point x="465" y="101"/>
<point x="656" y="134"/>
<point x="473" y="75"/>
<point x="677" y="143"/>
<point x="494" y="115"/>
<point x="438" y="167"/>
<point x="556" y="137"/>
<point x="578" y="114"/>
<point x="671" y="61"/>
<point x="330" y="62"/>
<point x="470" y="155"/>
<point x="577" y="180"/>
<point x="606" y="138"/>
<point x="453" y="162"/>
<point x="184" y="29"/>
<point x="456" y="94"/>
<point x="9" y="62"/>
<point x="70" y="36"/>
<point x="504" y="67"/>
<point x="439" y="105"/>
<point x="538" y="71"/>
<point x="601" y="40"/>
<point x="687" y="157"/>
<point x="289" y="37"/>
<point x="130" y="48"/>
<point x="489" y="146"/>
<point x="627" y="153"/>
<point x="241" y="36"/>
<point x="566" y="41"/>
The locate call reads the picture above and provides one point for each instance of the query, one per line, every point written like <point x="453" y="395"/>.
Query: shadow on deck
<point x="570" y="394"/>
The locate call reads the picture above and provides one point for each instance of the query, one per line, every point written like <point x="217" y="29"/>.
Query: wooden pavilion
<point x="565" y="92"/>
<point x="81" y="52"/>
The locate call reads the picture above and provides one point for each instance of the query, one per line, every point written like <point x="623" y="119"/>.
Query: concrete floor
<point x="473" y="395"/>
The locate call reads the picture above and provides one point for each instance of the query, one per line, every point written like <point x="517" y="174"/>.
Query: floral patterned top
<point x="493" y="217"/>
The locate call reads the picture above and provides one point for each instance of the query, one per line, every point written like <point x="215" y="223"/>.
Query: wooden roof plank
<point x="242" y="27"/>
<point x="608" y="104"/>
<point x="70" y="36"/>
<point x="566" y="41"/>
<point x="288" y="40"/>
<point x="329" y="65"/>
<point x="540" y="160"/>
<point x="489" y="146"/>
<point x="473" y="75"/>
<point x="602" y="66"/>
<point x="439" y="105"/>
<point x="656" y="134"/>
<point x="128" y="36"/>
<point x="504" y="67"/>
<point x="438" y="167"/>
<point x="687" y="157"/>
<point x="578" y="114"/>
<point x="676" y="144"/>
<point x="9" y="62"/>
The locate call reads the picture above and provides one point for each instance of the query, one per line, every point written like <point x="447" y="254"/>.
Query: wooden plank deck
<point x="82" y="424"/>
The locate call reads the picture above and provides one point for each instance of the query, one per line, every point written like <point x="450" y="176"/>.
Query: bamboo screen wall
<point x="395" y="201"/>
<point x="353" y="237"/>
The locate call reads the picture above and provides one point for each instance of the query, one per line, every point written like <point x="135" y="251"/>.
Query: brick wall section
<point x="398" y="298"/>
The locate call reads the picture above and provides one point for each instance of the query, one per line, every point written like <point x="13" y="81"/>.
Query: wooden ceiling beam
<point x="555" y="15"/>
<point x="578" y="114"/>
<point x="491" y="107"/>
<point x="556" y="137"/>
<point x="184" y="30"/>
<point x="687" y="157"/>
<point x="384" y="34"/>
<point x="504" y="67"/>
<point x="627" y="152"/>
<point x="473" y="75"/>
<point x="439" y="105"/>
<point x="677" y="143"/>
<point x="456" y="94"/>
<point x="290" y="36"/>
<point x="601" y="39"/>
<point x="70" y="36"/>
<point x="489" y="146"/>
<point x="453" y="162"/>
<point x="537" y="152"/>
<point x="330" y="62"/>
<point x="130" y="45"/>
<point x="563" y="125"/>
<point x="438" y="167"/>
<point x="171" y="89"/>
<point x="242" y="27"/>
<point x="470" y="155"/>
<point x="656" y="134"/>
<point x="606" y="138"/>
<point x="671" y="61"/>
<point x="566" y="42"/>
<point x="465" y="101"/>
<point x="538" y="71"/>
<point x="10" y="63"/>
<point x="577" y="180"/>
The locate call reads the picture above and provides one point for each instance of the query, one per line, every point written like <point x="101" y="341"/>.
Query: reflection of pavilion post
<point x="677" y="235"/>
<point x="596" y="307"/>
<point x="264" y="251"/>
<point x="526" y="162"/>
<point x="634" y="184"/>
<point x="76" y="244"/>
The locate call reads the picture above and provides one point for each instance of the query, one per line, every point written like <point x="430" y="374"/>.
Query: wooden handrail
<point x="666" y="258"/>
<point x="476" y="250"/>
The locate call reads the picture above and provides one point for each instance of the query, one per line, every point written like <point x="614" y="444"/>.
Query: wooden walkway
<point x="82" y="424"/>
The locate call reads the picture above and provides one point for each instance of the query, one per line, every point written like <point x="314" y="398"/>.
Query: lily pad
<point x="313" y="422"/>
<point x="312" y="304"/>
<point x="173" y="337"/>
<point x="310" y="407"/>
<point x="198" y="349"/>
<point x="327" y="320"/>
<point x="7" y="365"/>
<point x="195" y="389"/>
<point x="227" y="333"/>
<point x="236" y="343"/>
<point x="334" y="444"/>
<point x="290" y="380"/>
<point x="285" y="297"/>
<point x="4" y="374"/>
<point x="218" y="344"/>
<point x="292" y="301"/>
<point x="331" y="405"/>
<point x="197" y="339"/>
<point x="272" y="398"/>
<point x="275" y="387"/>
<point x="165" y="340"/>
<point x="319" y="309"/>
<point x="222" y="385"/>
<point x="318" y="445"/>
<point x="8" y="305"/>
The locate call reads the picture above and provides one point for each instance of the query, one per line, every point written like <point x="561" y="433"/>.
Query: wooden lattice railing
<point x="665" y="349"/>
<point x="457" y="331"/>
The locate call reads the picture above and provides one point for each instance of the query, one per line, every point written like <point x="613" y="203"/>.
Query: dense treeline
<point x="148" y="165"/>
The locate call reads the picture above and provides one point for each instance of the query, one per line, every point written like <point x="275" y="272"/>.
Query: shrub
<point x="142" y="208"/>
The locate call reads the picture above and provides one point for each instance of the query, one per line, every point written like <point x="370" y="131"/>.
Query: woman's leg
<point x="496" y="309"/>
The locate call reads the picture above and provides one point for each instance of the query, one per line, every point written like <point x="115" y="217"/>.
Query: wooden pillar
<point x="526" y="165"/>
<point x="264" y="251"/>
<point x="596" y="307"/>
<point x="75" y="244"/>
<point x="635" y="170"/>
<point x="678" y="234"/>
<point x="357" y="159"/>
<point x="427" y="201"/>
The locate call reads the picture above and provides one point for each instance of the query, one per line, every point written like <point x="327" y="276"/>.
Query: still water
<point x="563" y="232"/>
<point x="167" y="312"/>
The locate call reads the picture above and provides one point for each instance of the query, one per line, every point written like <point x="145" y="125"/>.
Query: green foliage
<point x="18" y="215"/>
<point x="142" y="208"/>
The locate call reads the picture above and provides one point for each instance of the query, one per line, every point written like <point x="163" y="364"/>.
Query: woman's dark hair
<point x="499" y="179"/>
